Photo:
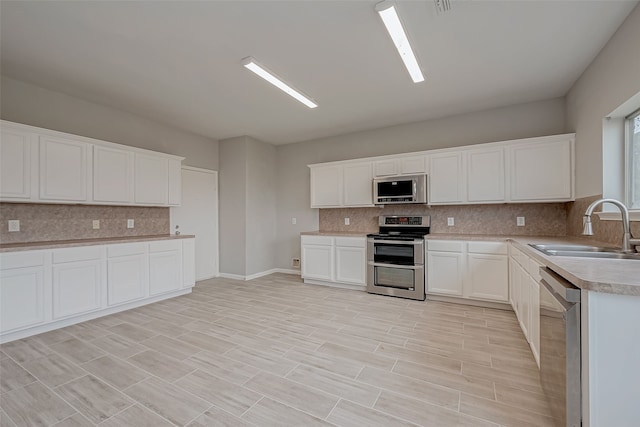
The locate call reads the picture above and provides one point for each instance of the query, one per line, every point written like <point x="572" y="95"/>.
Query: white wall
<point x="32" y="105"/>
<point x="609" y="81"/>
<point x="513" y="122"/>
<point x="247" y="206"/>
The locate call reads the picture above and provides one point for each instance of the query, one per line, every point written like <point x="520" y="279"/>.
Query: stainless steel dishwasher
<point x="560" y="354"/>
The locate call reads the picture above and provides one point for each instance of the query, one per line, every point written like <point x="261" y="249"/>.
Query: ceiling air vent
<point x="442" y="6"/>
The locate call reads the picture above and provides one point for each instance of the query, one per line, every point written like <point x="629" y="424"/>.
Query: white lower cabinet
<point x="471" y="270"/>
<point x="525" y="299"/>
<point x="127" y="273"/>
<point x="334" y="260"/>
<point x="165" y="267"/>
<point x="21" y="297"/>
<point x="42" y="290"/>
<point x="444" y="272"/>
<point x="77" y="281"/>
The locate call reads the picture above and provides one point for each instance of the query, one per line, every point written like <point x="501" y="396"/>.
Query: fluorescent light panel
<point x="252" y="65"/>
<point x="389" y="15"/>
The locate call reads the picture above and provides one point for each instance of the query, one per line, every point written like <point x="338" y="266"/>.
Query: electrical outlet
<point x="130" y="223"/>
<point x="450" y="221"/>
<point x="520" y="221"/>
<point x="347" y="221"/>
<point x="295" y="262"/>
<point x="14" y="225"/>
<point x="96" y="224"/>
<point x="294" y="221"/>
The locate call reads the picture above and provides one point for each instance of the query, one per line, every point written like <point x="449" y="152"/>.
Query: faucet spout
<point x="627" y="239"/>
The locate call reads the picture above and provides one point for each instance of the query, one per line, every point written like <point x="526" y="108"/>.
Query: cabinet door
<point x="151" y="179"/>
<point x="485" y="175"/>
<point x="358" y="184"/>
<point x="542" y="171"/>
<point x="127" y="278"/>
<point x="175" y="182"/>
<point x="165" y="274"/>
<point x="326" y="186"/>
<point x="21" y="298"/>
<point x="317" y="262"/>
<point x="413" y="165"/>
<point x="513" y="277"/>
<point x="189" y="262"/>
<point x="387" y="167"/>
<point x="112" y="175"/>
<point x="447" y="178"/>
<point x="534" y="324"/>
<point x="523" y="301"/>
<point x="15" y="163"/>
<point x="351" y="265"/>
<point x="488" y="277"/>
<point x="445" y="273"/>
<point x="64" y="169"/>
<point x="76" y="288"/>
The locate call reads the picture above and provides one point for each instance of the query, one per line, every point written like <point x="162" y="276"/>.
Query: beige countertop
<point x="55" y="244"/>
<point x="614" y="276"/>
<point x="336" y="233"/>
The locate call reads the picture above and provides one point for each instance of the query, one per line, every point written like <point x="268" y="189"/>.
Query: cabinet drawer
<point x="496" y="248"/>
<point x="317" y="240"/>
<point x="165" y="245"/>
<point x="534" y="269"/>
<point x="446" y="245"/>
<point x="21" y="259"/>
<point x="83" y="253"/>
<point x="354" y="242"/>
<point x="126" y="249"/>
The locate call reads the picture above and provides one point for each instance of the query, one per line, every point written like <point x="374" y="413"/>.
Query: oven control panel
<point x="403" y="220"/>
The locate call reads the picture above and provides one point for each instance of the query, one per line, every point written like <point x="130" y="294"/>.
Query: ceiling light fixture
<point x="389" y="15"/>
<point x="263" y="72"/>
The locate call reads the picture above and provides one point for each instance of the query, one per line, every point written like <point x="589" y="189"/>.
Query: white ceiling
<point x="180" y="62"/>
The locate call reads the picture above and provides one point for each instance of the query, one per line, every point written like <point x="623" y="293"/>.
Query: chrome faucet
<point x="628" y="242"/>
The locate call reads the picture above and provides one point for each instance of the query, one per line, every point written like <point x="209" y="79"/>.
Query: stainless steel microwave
<point x="400" y="189"/>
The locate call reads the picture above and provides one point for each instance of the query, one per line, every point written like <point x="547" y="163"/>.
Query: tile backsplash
<point x="541" y="219"/>
<point x="47" y="222"/>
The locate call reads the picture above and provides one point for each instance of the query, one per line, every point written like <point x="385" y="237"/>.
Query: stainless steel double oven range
<point x="395" y="257"/>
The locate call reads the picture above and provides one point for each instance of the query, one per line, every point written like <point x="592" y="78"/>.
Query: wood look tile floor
<point x="276" y="352"/>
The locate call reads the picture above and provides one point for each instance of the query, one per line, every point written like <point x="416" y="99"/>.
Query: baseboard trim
<point x="258" y="275"/>
<point x="475" y="303"/>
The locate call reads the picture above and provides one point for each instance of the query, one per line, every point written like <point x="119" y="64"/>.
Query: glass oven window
<point x="394" y="254"/>
<point x="395" y="277"/>
<point x="395" y="188"/>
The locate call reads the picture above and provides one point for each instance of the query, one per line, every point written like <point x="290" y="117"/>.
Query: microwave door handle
<point x="415" y="188"/>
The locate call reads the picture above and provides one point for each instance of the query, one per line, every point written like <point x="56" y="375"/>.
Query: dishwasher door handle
<point x="559" y="285"/>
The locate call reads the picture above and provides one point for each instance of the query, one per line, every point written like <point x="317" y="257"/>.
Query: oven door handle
<point x="404" y="267"/>
<point x="397" y="242"/>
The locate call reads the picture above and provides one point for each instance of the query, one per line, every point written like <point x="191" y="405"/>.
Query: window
<point x="633" y="156"/>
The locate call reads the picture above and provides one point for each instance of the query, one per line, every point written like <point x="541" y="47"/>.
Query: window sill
<point x="617" y="216"/>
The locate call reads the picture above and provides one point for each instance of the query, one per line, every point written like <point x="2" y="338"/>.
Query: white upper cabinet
<point x="542" y="170"/>
<point x="358" y="184"/>
<point x="326" y="186"/>
<point x="447" y="178"/>
<point x="112" y="175"/>
<point x="64" y="169"/>
<point x="175" y="182"/>
<point x="151" y="179"/>
<point x="18" y="152"/>
<point x="400" y="166"/>
<point x="486" y="175"/>
<point x="44" y="166"/>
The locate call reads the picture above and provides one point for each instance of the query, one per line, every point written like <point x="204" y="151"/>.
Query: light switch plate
<point x="130" y="223"/>
<point x="294" y="221"/>
<point x="450" y="221"/>
<point x="347" y="221"/>
<point x="96" y="224"/>
<point x="520" y="221"/>
<point x="14" y="225"/>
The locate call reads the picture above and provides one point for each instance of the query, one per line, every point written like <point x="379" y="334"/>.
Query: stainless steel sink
<point x="585" y="251"/>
